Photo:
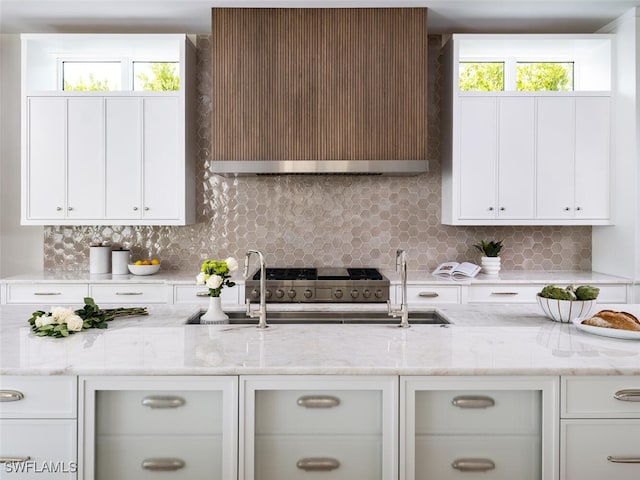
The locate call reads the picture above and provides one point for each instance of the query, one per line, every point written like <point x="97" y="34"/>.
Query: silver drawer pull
<point x="473" y="401"/>
<point x="10" y="395"/>
<point x="473" y="464"/>
<point x="162" y="464"/>
<point x="320" y="464"/>
<point x="623" y="459"/>
<point x="163" y="401"/>
<point x="504" y="293"/>
<point x="14" y="459"/>
<point x="128" y="293"/>
<point x="202" y="294"/>
<point x="47" y="293"/>
<point x="428" y="294"/>
<point x="627" y="395"/>
<point x="318" y="401"/>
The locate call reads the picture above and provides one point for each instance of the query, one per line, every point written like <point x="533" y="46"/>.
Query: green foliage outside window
<point x="544" y="77"/>
<point x="481" y="77"/>
<point x="163" y="78"/>
<point x="91" y="84"/>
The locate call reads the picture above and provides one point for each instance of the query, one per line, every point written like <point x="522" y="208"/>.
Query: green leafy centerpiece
<point x="62" y="322"/>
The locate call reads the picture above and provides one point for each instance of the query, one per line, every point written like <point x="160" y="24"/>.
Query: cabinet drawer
<point x="198" y="295"/>
<point x="318" y="412"/>
<point x="126" y="412"/>
<point x="429" y="294"/>
<point x="129" y="293"/>
<point x="340" y="457"/>
<point x="593" y="397"/>
<point x="472" y="412"/>
<point x="513" y="457"/>
<point x="48" y="446"/>
<point x="186" y="457"/>
<point x="47" y="293"/>
<point x="503" y="293"/>
<point x="587" y="444"/>
<point x="38" y="397"/>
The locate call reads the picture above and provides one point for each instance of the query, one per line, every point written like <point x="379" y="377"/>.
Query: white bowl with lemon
<point x="144" y="267"/>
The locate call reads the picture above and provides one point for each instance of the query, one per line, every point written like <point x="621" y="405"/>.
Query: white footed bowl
<point x="565" y="310"/>
<point x="143" y="269"/>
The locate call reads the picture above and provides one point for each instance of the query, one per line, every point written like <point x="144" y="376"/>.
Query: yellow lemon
<point x="146" y="262"/>
<point x="138" y="262"/>
<point x="155" y="261"/>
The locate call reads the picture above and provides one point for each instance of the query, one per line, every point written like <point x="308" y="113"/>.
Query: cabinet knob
<point x="318" y="401"/>
<point x="566" y="209"/>
<point x="10" y="395"/>
<point x="473" y="464"/>
<point x="135" y="208"/>
<point x="163" y="401"/>
<point x="69" y="208"/>
<point x="502" y="209"/>
<point x="320" y="464"/>
<point x="163" y="464"/>
<point x="146" y="209"/>
<point x="473" y="401"/>
<point x="578" y="208"/>
<point x="59" y="209"/>
<point x="491" y="209"/>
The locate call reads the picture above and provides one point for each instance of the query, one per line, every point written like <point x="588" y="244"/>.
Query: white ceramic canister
<point x="120" y="261"/>
<point x="99" y="258"/>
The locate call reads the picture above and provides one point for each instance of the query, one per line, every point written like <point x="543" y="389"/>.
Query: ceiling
<point x="193" y="16"/>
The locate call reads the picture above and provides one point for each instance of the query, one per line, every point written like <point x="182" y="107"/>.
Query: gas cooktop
<point x="343" y="285"/>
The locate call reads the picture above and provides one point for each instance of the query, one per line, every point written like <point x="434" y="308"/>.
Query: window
<point x="544" y="76"/>
<point x="481" y="76"/>
<point x="156" y="76"/>
<point x="91" y="76"/>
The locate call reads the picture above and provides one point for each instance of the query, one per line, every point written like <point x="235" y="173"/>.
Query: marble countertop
<point x="482" y="340"/>
<point x="413" y="276"/>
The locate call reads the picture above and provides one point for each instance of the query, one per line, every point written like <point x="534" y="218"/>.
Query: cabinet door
<point x="555" y="157"/>
<point x="46" y="153"/>
<point x="123" y="158"/>
<point x="516" y="158"/>
<point x="478" y="157"/>
<point x="163" y="180"/>
<point x="592" y="157"/>
<point x="85" y="158"/>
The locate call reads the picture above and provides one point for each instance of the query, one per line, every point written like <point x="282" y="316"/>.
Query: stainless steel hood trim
<point x="320" y="167"/>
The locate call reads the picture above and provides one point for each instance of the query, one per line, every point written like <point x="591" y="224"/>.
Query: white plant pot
<point x="490" y="265"/>
<point x="214" y="313"/>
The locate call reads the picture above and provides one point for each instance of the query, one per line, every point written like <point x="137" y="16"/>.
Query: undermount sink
<point x="365" y="318"/>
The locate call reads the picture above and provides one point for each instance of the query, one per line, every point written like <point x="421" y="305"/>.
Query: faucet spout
<point x="261" y="313"/>
<point x="403" y="312"/>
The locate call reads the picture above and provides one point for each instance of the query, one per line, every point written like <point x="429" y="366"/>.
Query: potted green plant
<point x="490" y="260"/>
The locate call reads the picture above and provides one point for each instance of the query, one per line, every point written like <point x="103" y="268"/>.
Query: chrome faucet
<point x="403" y="313"/>
<point x="261" y="313"/>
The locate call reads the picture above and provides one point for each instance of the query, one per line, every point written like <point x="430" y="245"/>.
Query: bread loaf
<point x="613" y="319"/>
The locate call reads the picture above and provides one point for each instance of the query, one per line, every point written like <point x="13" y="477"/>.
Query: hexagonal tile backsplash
<point x="324" y="220"/>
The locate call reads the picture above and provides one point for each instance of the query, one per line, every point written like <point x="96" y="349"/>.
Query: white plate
<point x="606" y="332"/>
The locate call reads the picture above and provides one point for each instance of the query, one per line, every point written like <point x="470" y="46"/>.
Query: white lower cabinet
<point x="600" y="428"/>
<point x="38" y="427"/>
<point x="322" y="426"/>
<point x="496" y="428"/>
<point x="159" y="427"/>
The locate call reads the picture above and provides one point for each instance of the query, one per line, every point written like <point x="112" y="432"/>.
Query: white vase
<point x="490" y="265"/>
<point x="214" y="313"/>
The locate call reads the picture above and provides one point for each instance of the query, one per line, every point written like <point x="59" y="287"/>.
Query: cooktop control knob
<point x="378" y="293"/>
<point x="255" y="293"/>
<point x="366" y="293"/>
<point x="279" y="293"/>
<point x="292" y="293"/>
<point x="337" y="293"/>
<point x="354" y="293"/>
<point x="267" y="293"/>
<point x="308" y="293"/>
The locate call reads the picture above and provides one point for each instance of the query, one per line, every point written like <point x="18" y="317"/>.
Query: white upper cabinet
<point x="526" y="130"/>
<point x="107" y="129"/>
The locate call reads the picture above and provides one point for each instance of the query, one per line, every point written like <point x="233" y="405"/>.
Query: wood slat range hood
<point x="319" y="91"/>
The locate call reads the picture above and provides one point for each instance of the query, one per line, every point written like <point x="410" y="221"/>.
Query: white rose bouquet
<point x="61" y="321"/>
<point x="215" y="275"/>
